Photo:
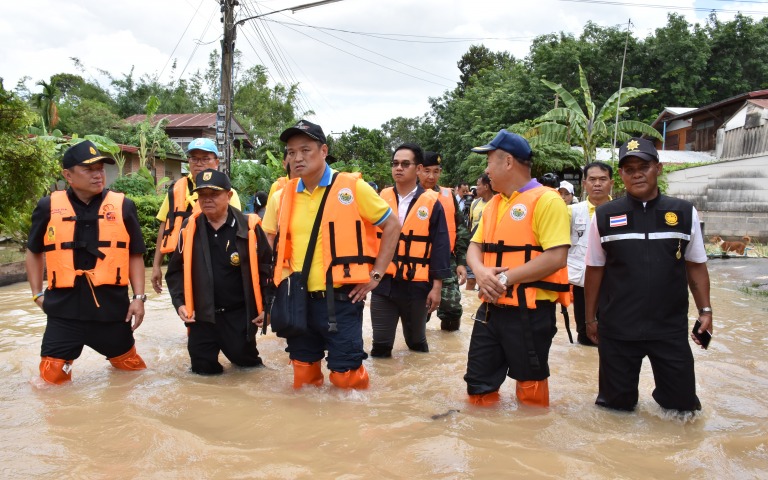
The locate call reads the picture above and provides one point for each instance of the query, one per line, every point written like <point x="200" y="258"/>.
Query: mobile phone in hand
<point x="703" y="338"/>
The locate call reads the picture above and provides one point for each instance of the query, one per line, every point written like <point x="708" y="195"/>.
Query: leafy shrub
<point x="134" y="185"/>
<point x="147" y="207"/>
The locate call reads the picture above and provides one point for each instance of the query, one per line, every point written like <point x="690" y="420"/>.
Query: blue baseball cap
<point x="204" y="144"/>
<point x="511" y="143"/>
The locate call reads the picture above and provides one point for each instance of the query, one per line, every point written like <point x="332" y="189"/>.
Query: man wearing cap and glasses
<point x="90" y="241"/>
<point x="518" y="254"/>
<point x="180" y="201"/>
<point x="214" y="278"/>
<point x="412" y="284"/>
<point x="644" y="252"/>
<point x="450" y="309"/>
<point x="340" y="273"/>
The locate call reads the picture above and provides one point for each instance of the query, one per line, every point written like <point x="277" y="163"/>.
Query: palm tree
<point x="46" y="102"/>
<point x="589" y="129"/>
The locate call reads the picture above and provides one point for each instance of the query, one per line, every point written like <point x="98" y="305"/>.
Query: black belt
<point x="229" y="309"/>
<point x="341" y="295"/>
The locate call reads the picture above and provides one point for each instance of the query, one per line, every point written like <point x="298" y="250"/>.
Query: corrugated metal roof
<point x="185" y="120"/>
<point x="665" y="156"/>
<point x="760" y="102"/>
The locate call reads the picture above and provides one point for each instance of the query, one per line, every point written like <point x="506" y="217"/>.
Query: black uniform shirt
<point x="77" y="302"/>
<point x="225" y="262"/>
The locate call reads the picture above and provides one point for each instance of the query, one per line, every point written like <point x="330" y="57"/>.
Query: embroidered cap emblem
<point x="633" y="145"/>
<point x="207" y="176"/>
<point x="92" y="150"/>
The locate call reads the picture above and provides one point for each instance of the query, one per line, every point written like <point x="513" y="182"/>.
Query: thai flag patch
<point x="619" y="221"/>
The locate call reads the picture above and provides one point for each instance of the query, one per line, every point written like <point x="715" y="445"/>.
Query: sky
<point x="357" y="62"/>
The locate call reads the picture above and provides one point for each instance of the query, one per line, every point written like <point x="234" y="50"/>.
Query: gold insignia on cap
<point x="207" y="176"/>
<point x="633" y="145"/>
<point x="670" y="218"/>
<point x="439" y="160"/>
<point x="92" y="150"/>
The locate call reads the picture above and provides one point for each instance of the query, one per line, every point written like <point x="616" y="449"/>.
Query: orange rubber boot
<point x="484" y="399"/>
<point x="130" y="360"/>
<point x="55" y="370"/>
<point x="533" y="392"/>
<point x="305" y="373"/>
<point x="356" y="379"/>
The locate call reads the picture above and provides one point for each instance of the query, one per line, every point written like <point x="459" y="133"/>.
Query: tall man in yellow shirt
<point x="518" y="254"/>
<point x="351" y="203"/>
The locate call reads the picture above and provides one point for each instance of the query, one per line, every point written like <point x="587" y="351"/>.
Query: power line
<point x="191" y="55"/>
<point x="180" y="39"/>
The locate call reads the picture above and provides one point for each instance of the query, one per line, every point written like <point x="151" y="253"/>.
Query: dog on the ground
<point x="735" y="247"/>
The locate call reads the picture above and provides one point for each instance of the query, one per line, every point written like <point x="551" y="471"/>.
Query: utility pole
<point x="618" y="99"/>
<point x="224" y="134"/>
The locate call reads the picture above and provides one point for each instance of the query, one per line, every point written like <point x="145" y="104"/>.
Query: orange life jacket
<point x="59" y="242"/>
<point x="411" y="260"/>
<point x="187" y="242"/>
<point x="510" y="242"/>
<point x="178" y="210"/>
<point x="348" y="241"/>
<point x="446" y="198"/>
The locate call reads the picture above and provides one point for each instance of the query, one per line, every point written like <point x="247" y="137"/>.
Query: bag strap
<point x="315" y="231"/>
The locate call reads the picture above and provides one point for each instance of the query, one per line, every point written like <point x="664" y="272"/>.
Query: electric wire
<point x="194" y="50"/>
<point x="180" y="39"/>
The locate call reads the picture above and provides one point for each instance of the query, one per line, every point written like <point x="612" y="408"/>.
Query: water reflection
<point x="166" y="422"/>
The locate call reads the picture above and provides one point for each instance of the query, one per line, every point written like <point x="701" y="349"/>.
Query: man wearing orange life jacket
<point x="180" y="202"/>
<point x="411" y="288"/>
<point x="518" y="254"/>
<point x="340" y="273"/>
<point x="90" y="240"/>
<point x="450" y="309"/>
<point x="214" y="280"/>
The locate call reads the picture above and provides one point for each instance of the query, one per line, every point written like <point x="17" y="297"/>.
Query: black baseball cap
<point x="84" y="153"/>
<point x="213" y="179"/>
<point x="432" y="159"/>
<point x="308" y="128"/>
<point x="641" y="148"/>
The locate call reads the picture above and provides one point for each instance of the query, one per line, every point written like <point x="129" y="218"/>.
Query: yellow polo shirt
<point x="372" y="208"/>
<point x="551" y="226"/>
<point x="162" y="214"/>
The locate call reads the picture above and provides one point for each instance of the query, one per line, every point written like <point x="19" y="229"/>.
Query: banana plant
<point x="589" y="127"/>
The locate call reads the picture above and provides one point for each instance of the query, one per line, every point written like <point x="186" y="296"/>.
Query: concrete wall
<point x="731" y="196"/>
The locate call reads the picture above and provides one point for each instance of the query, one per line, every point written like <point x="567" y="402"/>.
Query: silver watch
<point x="143" y="298"/>
<point x="502" y="278"/>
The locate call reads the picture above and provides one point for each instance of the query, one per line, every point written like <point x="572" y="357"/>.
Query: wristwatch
<point x="502" y="278"/>
<point x="375" y="276"/>
<point x="143" y="297"/>
<point x="704" y="310"/>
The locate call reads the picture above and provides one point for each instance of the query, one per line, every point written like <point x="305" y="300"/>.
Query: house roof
<point x="760" y="102"/>
<point x="757" y="94"/>
<point x="666" y="156"/>
<point x="670" y="112"/>
<point x="192" y="121"/>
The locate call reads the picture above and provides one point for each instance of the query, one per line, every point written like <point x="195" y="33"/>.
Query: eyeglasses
<point x="200" y="160"/>
<point x="404" y="163"/>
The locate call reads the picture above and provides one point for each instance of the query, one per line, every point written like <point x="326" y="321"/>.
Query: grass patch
<point x="753" y="289"/>
<point x="11" y="253"/>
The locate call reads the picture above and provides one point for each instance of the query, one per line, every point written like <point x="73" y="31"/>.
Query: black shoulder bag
<point x="288" y="315"/>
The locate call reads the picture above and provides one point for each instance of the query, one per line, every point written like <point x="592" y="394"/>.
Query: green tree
<point x="45" y="101"/>
<point x="366" y="151"/>
<point x="589" y="127"/>
<point x="477" y="59"/>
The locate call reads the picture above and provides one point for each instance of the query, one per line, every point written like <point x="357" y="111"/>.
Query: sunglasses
<point x="404" y="163"/>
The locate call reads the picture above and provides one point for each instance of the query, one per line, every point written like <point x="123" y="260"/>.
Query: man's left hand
<point x="433" y="300"/>
<point x="361" y="290"/>
<point x="135" y="313"/>
<point x="461" y="272"/>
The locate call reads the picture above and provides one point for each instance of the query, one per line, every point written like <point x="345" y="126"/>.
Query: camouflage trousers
<point x="450" y="309"/>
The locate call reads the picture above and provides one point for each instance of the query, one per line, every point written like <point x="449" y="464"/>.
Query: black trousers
<point x="498" y="348"/>
<point x="233" y="334"/>
<point x="672" y="364"/>
<point x="412" y="311"/>
<point x="65" y="338"/>
<point x="579" y="312"/>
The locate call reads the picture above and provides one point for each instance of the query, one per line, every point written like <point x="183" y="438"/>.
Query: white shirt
<point x="403" y="202"/>
<point x="694" y="252"/>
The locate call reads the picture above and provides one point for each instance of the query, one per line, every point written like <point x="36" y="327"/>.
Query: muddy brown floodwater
<point x="412" y="423"/>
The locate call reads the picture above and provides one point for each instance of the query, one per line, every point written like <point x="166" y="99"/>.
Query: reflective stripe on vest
<point x="510" y="243"/>
<point x="411" y="259"/>
<point x="186" y="248"/>
<point x="446" y="199"/>
<point x="348" y="241"/>
<point x="112" y="262"/>
<point x="178" y="210"/>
